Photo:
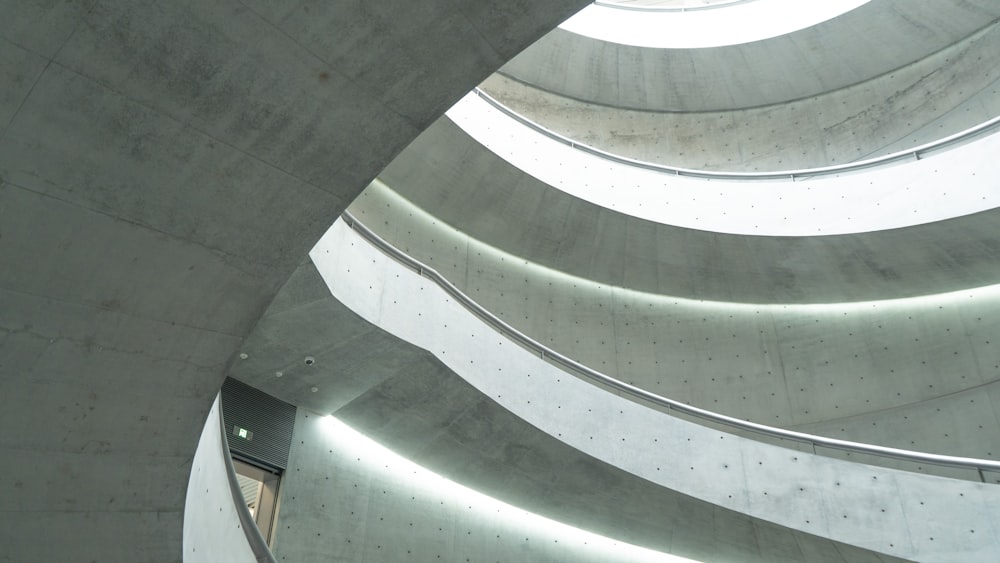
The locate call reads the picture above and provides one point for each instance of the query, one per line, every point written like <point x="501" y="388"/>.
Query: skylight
<point x="724" y="23"/>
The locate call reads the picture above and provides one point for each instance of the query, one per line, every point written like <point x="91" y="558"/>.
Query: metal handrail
<point x="262" y="553"/>
<point x="670" y="404"/>
<point x="915" y="153"/>
<point x="714" y="6"/>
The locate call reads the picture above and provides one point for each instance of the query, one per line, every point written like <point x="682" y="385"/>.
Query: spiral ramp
<point x="165" y="170"/>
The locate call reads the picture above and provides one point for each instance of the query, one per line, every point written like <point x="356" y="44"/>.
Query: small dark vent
<point x="258" y="426"/>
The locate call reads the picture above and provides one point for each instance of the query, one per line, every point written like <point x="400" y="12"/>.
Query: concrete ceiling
<point x="163" y="169"/>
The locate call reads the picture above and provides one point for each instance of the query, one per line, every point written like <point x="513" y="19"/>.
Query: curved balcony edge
<point x="980" y="465"/>
<point x="229" y="533"/>
<point x="915" y="153"/>
<point x="255" y="539"/>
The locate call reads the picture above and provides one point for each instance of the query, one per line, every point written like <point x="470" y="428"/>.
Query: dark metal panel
<point x="258" y="426"/>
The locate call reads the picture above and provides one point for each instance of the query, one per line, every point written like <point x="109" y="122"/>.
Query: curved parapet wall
<point x="872" y="40"/>
<point x="362" y="502"/>
<point x="842" y="200"/>
<point x="899" y="513"/>
<point x="464" y="185"/>
<point x="939" y="95"/>
<point x="376" y="505"/>
<point x="918" y="373"/>
<point x="408" y="401"/>
<point x="213" y="529"/>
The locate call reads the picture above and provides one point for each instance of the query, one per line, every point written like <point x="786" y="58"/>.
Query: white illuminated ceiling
<point x="732" y="24"/>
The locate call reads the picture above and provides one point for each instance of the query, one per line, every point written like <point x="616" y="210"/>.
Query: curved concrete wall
<point x="411" y="403"/>
<point x="165" y="166"/>
<point x="881" y="509"/>
<point x="464" y="185"/>
<point x="349" y="499"/>
<point x="919" y="373"/>
<point x="910" y="189"/>
<point x="942" y="94"/>
<point x="874" y="39"/>
<point x="408" y="401"/>
<point x="212" y="529"/>
<point x="377" y="506"/>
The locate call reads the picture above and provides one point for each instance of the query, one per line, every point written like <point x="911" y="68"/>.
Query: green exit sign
<point x="242" y="433"/>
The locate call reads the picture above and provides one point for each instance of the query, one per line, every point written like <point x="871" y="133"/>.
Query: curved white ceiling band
<point x="728" y="25"/>
<point x="947" y="184"/>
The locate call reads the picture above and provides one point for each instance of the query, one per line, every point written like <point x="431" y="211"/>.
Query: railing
<point x="255" y="539"/>
<point x="915" y="153"/>
<point x="546" y="353"/>
<point x="648" y="8"/>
